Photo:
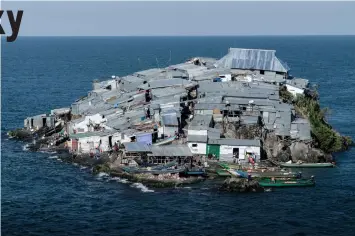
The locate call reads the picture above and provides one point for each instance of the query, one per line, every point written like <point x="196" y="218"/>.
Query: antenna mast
<point x="157" y="62"/>
<point x="139" y="63"/>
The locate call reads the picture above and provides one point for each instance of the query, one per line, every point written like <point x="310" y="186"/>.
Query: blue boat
<point x="164" y="170"/>
<point x="241" y="174"/>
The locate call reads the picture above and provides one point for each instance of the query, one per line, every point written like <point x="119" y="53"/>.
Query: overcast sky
<point x="182" y="18"/>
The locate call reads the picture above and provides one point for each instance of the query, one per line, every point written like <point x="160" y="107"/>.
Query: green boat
<point x="223" y="173"/>
<point x="306" y="165"/>
<point x="277" y="174"/>
<point x="287" y="183"/>
<point x="224" y="166"/>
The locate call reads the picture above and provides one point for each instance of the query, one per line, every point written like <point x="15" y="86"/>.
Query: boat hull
<point x="154" y="172"/>
<point x="307" y="165"/>
<point x="287" y="183"/>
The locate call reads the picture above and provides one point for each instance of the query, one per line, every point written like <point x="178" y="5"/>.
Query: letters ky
<point x="15" y="24"/>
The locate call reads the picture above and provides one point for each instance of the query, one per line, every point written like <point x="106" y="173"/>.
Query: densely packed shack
<point x="164" y="125"/>
<point x="220" y="109"/>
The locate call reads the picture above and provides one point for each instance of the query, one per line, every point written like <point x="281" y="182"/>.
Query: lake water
<point x="42" y="196"/>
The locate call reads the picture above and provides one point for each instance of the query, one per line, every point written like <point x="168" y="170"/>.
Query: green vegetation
<point x="102" y="168"/>
<point x="286" y="96"/>
<point x="13" y="133"/>
<point x="325" y="136"/>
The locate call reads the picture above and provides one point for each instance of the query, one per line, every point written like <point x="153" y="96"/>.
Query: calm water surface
<point x="43" y="196"/>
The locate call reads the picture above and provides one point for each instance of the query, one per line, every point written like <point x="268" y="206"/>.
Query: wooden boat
<point x="224" y="166"/>
<point x="195" y="171"/>
<point x="278" y="174"/>
<point x="307" y="165"/>
<point x="165" y="141"/>
<point x="167" y="165"/>
<point x="286" y="183"/>
<point x="234" y="172"/>
<point x="136" y="170"/>
<point x="223" y="173"/>
<point x="255" y="173"/>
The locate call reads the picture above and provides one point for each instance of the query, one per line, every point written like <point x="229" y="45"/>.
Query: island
<point x="194" y="121"/>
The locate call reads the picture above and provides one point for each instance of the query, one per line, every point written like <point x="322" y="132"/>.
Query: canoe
<point x="160" y="167"/>
<point x="286" y="183"/>
<point x="224" y="166"/>
<point x="306" y="165"/>
<point x="278" y="174"/>
<point x="136" y="170"/>
<point x="195" y="172"/>
<point x="223" y="173"/>
<point x="167" y="171"/>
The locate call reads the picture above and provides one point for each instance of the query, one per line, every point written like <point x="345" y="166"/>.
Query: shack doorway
<point x="31" y="123"/>
<point x="44" y="121"/>
<point x="110" y="141"/>
<point x="236" y="153"/>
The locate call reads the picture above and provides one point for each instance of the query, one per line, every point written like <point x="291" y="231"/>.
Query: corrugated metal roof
<point x="149" y="72"/>
<point x="111" y="111"/>
<point x="130" y="86"/>
<point x="171" y="150"/>
<point x="235" y="142"/>
<point x="137" y="147"/>
<point x="213" y="133"/>
<point x="167" y="83"/>
<point x="110" y="94"/>
<point x="163" y="92"/>
<point x="220" y="106"/>
<point x="118" y="123"/>
<point x="263" y="85"/>
<point x="300" y="121"/>
<point x="258" y="59"/>
<point x="92" y="134"/>
<point x="60" y="111"/>
<point x="170" y="119"/>
<point x="270" y="78"/>
<point x="176" y="74"/>
<point x="197" y="138"/>
<point x="167" y="100"/>
<point x="246" y="101"/>
<point x="298" y="82"/>
<point x="211" y="99"/>
<point x="184" y="66"/>
<point x="132" y="79"/>
<point x="201" y="120"/>
<point x="249" y="120"/>
<point x="300" y="129"/>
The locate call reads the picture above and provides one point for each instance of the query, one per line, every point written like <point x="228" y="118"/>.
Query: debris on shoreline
<point x="168" y="126"/>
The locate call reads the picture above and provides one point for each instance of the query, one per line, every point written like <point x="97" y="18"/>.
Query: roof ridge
<point x="259" y="49"/>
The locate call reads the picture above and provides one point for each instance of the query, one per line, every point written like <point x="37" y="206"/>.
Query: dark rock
<point x="101" y="168"/>
<point x="283" y="151"/>
<point x="20" y="134"/>
<point x="241" y="185"/>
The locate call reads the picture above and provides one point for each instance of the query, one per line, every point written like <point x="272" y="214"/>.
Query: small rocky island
<point x="173" y="126"/>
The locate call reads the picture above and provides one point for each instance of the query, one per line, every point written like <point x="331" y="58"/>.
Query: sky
<point x="182" y="18"/>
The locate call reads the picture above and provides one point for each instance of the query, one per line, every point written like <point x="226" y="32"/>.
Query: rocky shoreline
<point x="105" y="164"/>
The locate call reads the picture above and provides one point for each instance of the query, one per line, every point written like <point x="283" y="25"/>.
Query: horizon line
<point x="251" y="35"/>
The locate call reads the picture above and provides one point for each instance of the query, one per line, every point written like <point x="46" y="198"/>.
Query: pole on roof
<point x="139" y="63"/>
<point x="157" y="62"/>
